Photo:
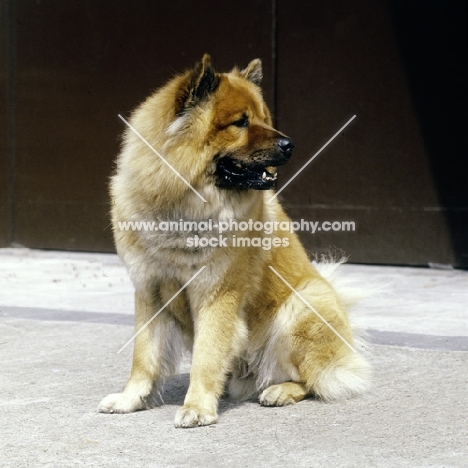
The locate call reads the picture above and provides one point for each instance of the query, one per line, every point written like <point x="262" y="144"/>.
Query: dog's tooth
<point x="264" y="175"/>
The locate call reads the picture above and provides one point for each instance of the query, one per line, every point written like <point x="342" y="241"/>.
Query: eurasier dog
<point x="256" y="315"/>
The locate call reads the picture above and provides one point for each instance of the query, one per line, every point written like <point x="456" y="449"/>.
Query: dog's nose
<point x="285" y="144"/>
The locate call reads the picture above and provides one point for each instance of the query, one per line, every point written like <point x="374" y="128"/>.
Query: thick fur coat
<point x="259" y="322"/>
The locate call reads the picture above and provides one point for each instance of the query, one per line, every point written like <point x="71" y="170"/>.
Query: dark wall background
<point x="399" y="170"/>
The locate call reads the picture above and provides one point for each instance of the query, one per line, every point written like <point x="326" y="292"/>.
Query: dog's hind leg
<point x="314" y="347"/>
<point x="157" y="349"/>
<point x="283" y="394"/>
<point x="325" y="353"/>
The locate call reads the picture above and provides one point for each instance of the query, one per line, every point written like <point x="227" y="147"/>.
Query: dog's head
<point x="227" y="113"/>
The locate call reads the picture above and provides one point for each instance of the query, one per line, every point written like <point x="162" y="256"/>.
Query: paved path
<point x="64" y="316"/>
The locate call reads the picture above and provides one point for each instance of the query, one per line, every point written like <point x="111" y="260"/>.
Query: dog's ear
<point x="200" y="83"/>
<point x="253" y="72"/>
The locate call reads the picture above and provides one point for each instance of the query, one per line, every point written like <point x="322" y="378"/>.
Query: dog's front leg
<point x="220" y="333"/>
<point x="151" y="362"/>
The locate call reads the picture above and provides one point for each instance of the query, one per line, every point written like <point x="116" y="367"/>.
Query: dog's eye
<point x="243" y="122"/>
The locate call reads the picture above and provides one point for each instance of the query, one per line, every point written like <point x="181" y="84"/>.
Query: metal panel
<point x="79" y="65"/>
<point x="340" y="58"/>
<point x="398" y="171"/>
<point x="5" y="109"/>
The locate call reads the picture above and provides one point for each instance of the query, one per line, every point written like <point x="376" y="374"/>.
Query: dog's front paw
<point x="191" y="416"/>
<point x="121" y="403"/>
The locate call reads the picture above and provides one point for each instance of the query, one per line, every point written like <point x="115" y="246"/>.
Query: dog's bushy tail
<point x="348" y="289"/>
<point x="350" y="373"/>
<point x="345" y="377"/>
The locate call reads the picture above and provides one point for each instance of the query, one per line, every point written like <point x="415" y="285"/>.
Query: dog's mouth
<point x="258" y="173"/>
<point x="231" y="173"/>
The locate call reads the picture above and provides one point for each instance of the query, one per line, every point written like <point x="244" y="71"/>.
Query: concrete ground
<point x="64" y="316"/>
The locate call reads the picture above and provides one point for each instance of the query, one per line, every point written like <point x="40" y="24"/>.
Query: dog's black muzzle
<point x="259" y="173"/>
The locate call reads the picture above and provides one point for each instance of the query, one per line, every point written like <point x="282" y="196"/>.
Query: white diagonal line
<point x="312" y="309"/>
<point x="161" y="309"/>
<point x="162" y="159"/>
<point x="312" y="158"/>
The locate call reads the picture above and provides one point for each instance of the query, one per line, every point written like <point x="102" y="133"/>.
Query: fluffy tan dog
<point x="249" y="333"/>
